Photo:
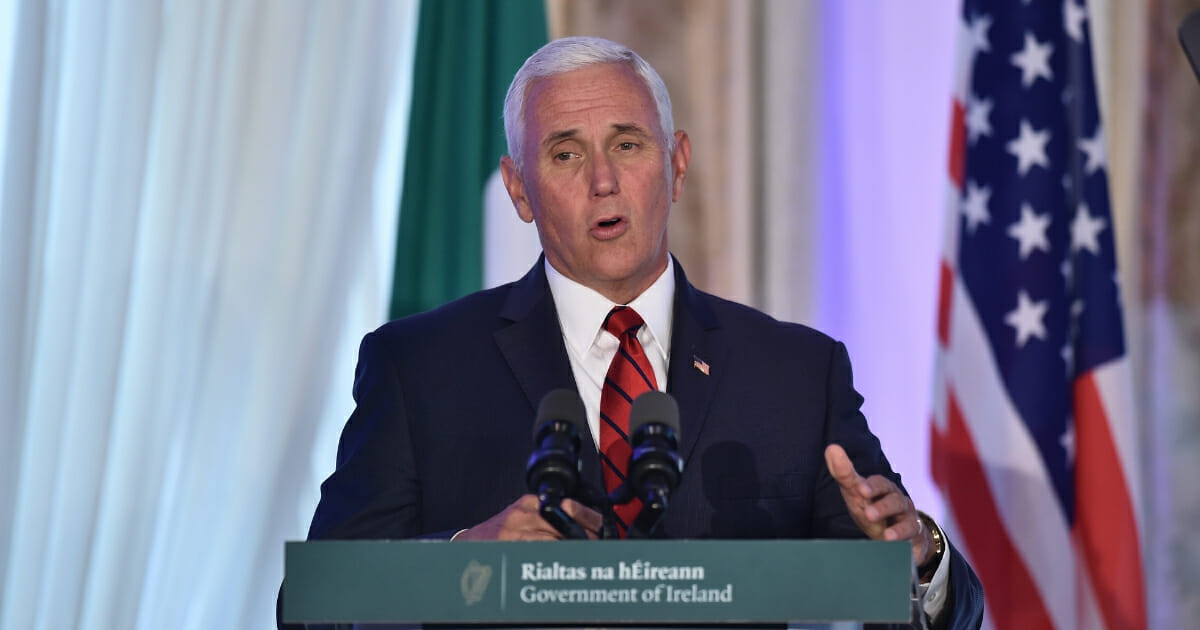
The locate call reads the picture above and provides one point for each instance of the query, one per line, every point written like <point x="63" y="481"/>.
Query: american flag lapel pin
<point x="700" y="365"/>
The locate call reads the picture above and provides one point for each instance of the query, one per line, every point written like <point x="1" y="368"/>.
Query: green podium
<point x="590" y="583"/>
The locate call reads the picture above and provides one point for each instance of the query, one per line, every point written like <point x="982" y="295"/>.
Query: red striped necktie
<point x="629" y="376"/>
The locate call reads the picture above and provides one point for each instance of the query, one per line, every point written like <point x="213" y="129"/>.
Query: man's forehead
<point x="588" y="73"/>
<point x="562" y="105"/>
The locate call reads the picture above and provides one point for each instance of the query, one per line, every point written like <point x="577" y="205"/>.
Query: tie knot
<point x="622" y="320"/>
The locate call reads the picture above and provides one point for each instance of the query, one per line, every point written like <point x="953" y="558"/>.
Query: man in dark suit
<point x="774" y="442"/>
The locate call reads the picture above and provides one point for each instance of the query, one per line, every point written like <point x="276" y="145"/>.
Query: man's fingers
<point x="587" y="518"/>
<point x="519" y="521"/>
<point x="904" y="529"/>
<point x="876" y="503"/>
<point x="877" y="486"/>
<point x="887" y="503"/>
<point x="522" y="520"/>
<point x="525" y="520"/>
<point x="842" y="469"/>
<point x="536" y="534"/>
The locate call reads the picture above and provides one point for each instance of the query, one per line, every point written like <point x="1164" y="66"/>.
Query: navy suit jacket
<point x="446" y="402"/>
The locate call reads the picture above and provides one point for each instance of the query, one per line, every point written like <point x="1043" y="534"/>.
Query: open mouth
<point x="606" y="228"/>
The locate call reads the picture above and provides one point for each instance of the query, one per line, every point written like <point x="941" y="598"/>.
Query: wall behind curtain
<point x="1167" y="200"/>
<point x="198" y="210"/>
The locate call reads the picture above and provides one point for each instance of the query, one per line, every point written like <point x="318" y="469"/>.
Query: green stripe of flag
<point x="467" y="52"/>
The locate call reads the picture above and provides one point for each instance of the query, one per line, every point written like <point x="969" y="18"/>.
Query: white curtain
<point x="197" y="223"/>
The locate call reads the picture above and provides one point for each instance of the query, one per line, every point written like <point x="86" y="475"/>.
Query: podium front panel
<point x="582" y="582"/>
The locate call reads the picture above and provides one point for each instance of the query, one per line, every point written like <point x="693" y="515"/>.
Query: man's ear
<point x="679" y="163"/>
<point x="515" y="185"/>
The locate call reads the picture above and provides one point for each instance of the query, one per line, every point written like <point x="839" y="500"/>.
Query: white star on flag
<point x="1028" y="318"/>
<point x="1097" y="156"/>
<point x="978" y="114"/>
<point x="1029" y="147"/>
<point x="1068" y="441"/>
<point x="1030" y="231"/>
<point x="974" y="207"/>
<point x="1034" y="60"/>
<point x="1084" y="231"/>
<point x="1073" y="17"/>
<point x="978" y="34"/>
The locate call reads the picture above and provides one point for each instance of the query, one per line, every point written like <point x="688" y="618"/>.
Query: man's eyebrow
<point x="565" y="134"/>
<point x="629" y="128"/>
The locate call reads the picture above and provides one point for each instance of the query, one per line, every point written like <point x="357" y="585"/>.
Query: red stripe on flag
<point x="1013" y="600"/>
<point x="958" y="145"/>
<point x="1104" y="515"/>
<point x="945" y="294"/>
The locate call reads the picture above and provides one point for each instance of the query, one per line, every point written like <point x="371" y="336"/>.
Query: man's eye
<point x="627" y="146"/>
<point x="563" y="156"/>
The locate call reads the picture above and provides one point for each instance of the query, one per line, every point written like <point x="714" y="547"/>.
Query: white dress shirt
<point x="581" y="313"/>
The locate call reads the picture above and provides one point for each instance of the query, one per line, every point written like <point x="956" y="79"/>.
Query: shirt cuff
<point x="933" y="594"/>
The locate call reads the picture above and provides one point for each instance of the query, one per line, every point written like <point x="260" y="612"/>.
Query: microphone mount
<point x="655" y="466"/>
<point x="553" y="469"/>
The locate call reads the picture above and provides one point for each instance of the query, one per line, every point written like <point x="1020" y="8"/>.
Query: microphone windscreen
<point x="654" y="406"/>
<point x="560" y="404"/>
<point x="1189" y="36"/>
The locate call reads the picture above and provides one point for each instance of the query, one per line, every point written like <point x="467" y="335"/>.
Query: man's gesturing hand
<point x="521" y="521"/>
<point x="878" y="506"/>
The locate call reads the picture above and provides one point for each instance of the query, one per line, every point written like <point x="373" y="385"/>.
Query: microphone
<point x="553" y="470"/>
<point x="1189" y="37"/>
<point x="655" y="465"/>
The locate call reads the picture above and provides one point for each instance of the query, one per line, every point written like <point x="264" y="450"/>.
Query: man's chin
<point x="626" y="282"/>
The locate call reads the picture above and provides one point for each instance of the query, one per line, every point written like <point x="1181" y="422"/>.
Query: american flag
<point x="1034" y="445"/>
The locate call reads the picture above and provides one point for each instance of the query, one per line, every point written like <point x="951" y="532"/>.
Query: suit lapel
<point x="532" y="344"/>
<point x="698" y="357"/>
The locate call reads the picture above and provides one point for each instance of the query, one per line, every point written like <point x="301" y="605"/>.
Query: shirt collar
<point x="581" y="310"/>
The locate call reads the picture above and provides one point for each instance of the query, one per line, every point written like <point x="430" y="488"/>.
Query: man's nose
<point x="604" y="176"/>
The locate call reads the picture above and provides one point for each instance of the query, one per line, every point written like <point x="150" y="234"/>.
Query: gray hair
<point x="575" y="53"/>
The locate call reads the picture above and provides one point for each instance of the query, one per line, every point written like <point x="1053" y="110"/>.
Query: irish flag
<point x="467" y="52"/>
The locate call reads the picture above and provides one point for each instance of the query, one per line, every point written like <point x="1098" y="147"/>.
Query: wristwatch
<point x="927" y="568"/>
